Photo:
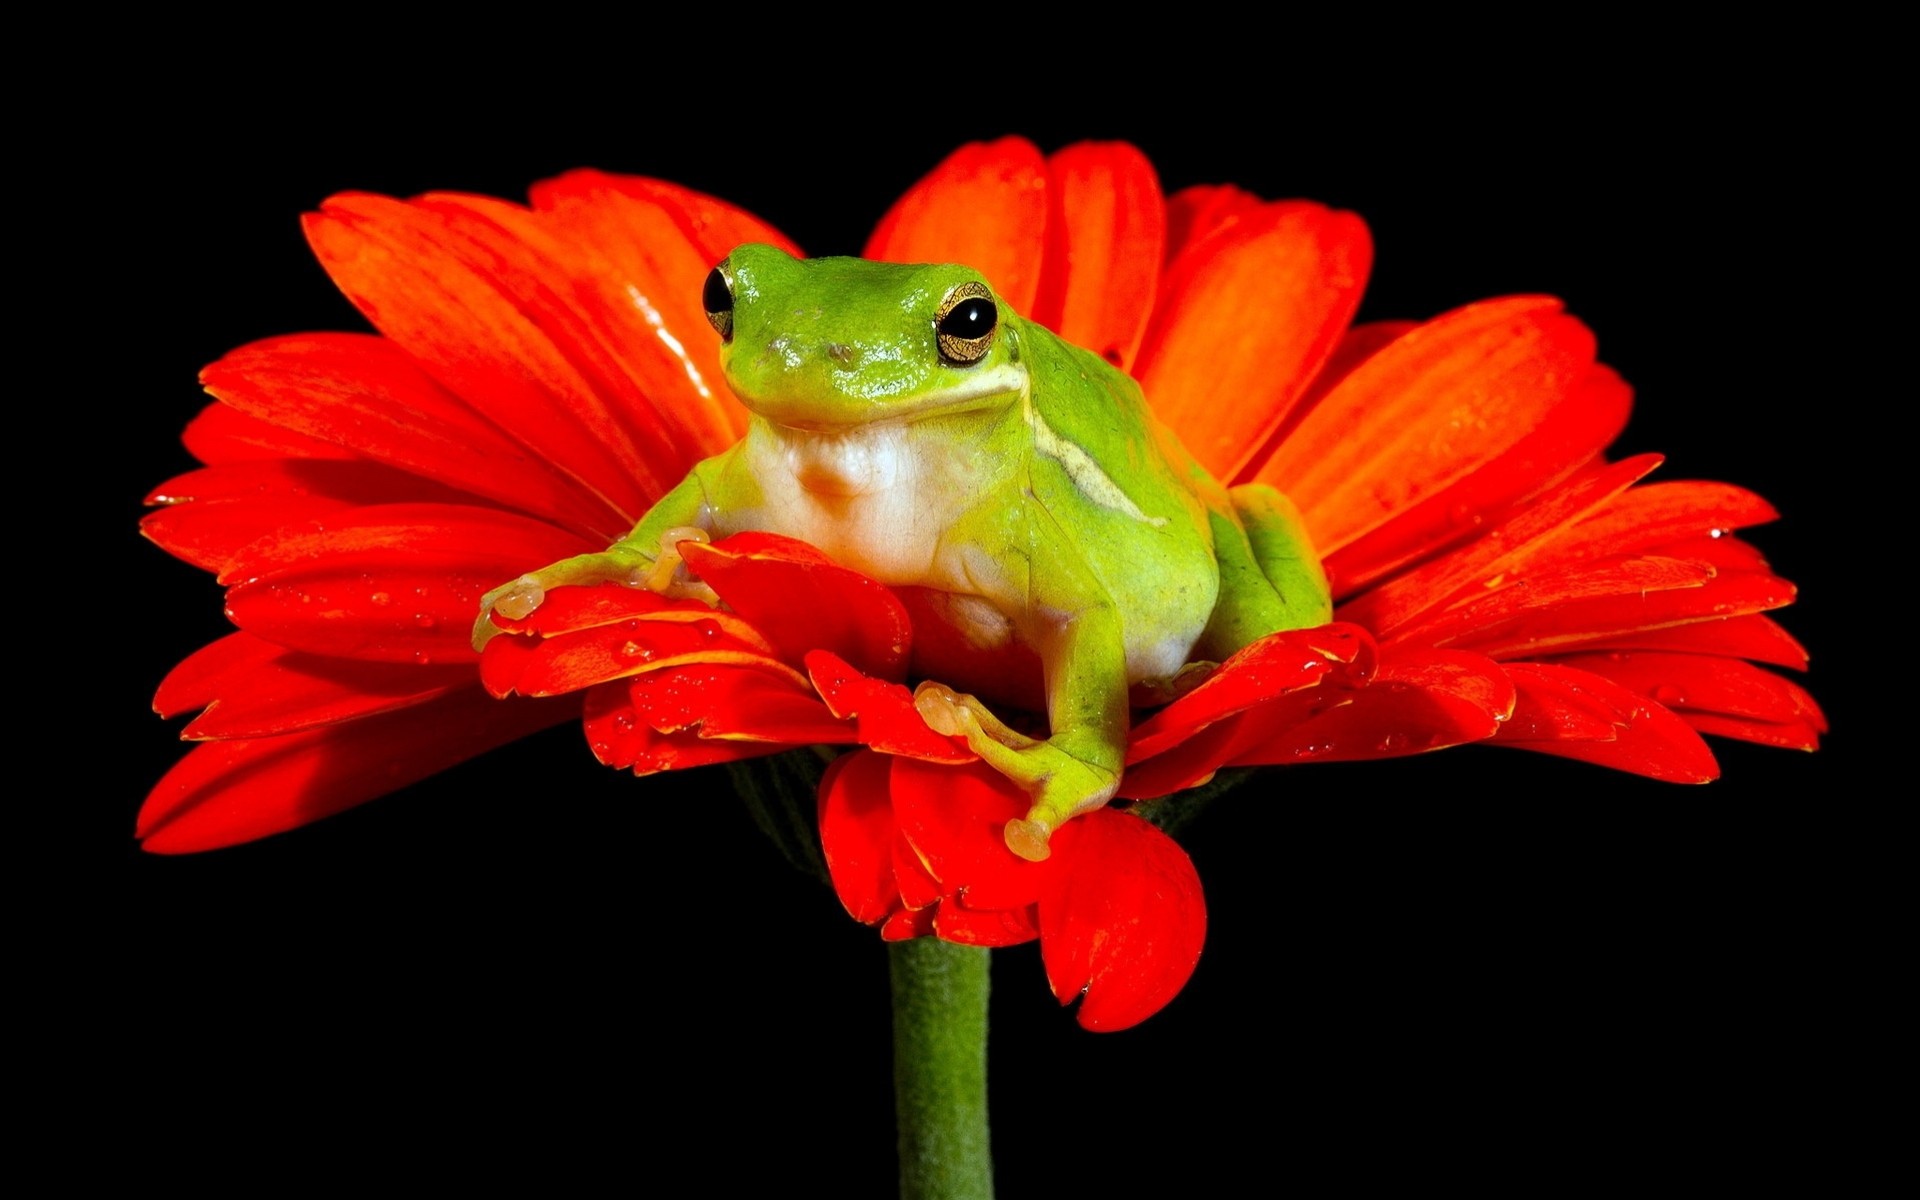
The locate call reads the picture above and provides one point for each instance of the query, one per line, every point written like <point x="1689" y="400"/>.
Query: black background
<point x="1461" y="966"/>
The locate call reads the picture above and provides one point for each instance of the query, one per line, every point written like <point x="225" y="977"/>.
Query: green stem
<point x="940" y="1069"/>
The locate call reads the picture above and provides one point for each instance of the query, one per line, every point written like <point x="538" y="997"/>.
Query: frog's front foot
<point x="1062" y="784"/>
<point x="622" y="564"/>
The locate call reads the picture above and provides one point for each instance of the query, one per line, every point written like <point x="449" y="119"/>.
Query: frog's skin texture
<point x="922" y="433"/>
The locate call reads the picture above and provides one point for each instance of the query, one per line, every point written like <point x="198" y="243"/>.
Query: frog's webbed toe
<point x="623" y="564"/>
<point x="1061" y="784"/>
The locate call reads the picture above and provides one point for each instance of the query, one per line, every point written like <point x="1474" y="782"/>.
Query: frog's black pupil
<point x="970" y="319"/>
<point x="715" y="296"/>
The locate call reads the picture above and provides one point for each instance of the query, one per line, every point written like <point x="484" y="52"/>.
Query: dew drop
<point x="425" y="620"/>
<point x="1670" y="694"/>
<point x="422" y="657"/>
<point x="1393" y="743"/>
<point x="381" y="599"/>
<point x="636" y="650"/>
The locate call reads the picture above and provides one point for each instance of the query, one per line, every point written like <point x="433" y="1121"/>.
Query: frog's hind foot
<point x="1061" y="784"/>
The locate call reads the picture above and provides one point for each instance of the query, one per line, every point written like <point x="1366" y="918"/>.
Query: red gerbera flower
<point x="543" y="373"/>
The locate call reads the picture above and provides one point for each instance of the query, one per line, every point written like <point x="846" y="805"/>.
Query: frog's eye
<point x="717" y="298"/>
<point x="965" y="323"/>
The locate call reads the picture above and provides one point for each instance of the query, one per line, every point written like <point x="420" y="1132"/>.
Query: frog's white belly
<point x="877" y="498"/>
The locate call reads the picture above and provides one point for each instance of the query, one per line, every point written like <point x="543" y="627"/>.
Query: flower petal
<point x="630" y="632"/>
<point x="251" y="688"/>
<point x="1104" y="230"/>
<point x="1753" y="636"/>
<point x="1570" y="434"/>
<point x="1246" y="318"/>
<point x="633" y="283"/>
<point x="760" y="702"/>
<point x="215" y="512"/>
<point x="710" y="225"/>
<point x="1195" y="212"/>
<point x="858" y="833"/>
<point x="228" y="792"/>
<point x="1690" y="683"/>
<point x="393" y="583"/>
<point x="1649" y="519"/>
<point x="1498" y="559"/>
<point x="221" y="435"/>
<point x="883" y="712"/>
<point x="490" y="324"/>
<point x="365" y="394"/>
<point x="985" y="206"/>
<point x="801" y="600"/>
<point x="1431" y="408"/>
<point x="955" y="817"/>
<point x="1559" y="709"/>
<point x="1418" y="700"/>
<point x="1122" y="929"/>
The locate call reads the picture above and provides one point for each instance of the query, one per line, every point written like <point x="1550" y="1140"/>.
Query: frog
<point x="909" y="423"/>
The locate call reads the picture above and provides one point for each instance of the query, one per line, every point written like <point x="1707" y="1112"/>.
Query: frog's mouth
<point x="988" y="390"/>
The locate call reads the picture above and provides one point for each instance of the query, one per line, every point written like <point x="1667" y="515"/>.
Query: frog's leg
<point x="1270" y="578"/>
<point x="1075" y="628"/>
<point x="648" y="557"/>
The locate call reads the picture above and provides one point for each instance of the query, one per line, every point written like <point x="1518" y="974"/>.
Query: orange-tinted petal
<point x="1753" y="636"/>
<point x="1498" y="559"/>
<point x="1195" y="212"/>
<point x="1653" y="518"/>
<point x="1705" y="683"/>
<point x="228" y="792"/>
<point x="1246" y="318"/>
<point x="1570" y="434"/>
<point x="1104" y="230"/>
<point x="985" y="206"/>
<point x="1436" y="405"/>
<point x="1121" y="929"/>
<point x="1559" y="709"/>
<point x="365" y="394"/>
<point x="251" y="689"/>
<point x="858" y="833"/>
<point x="488" y="320"/>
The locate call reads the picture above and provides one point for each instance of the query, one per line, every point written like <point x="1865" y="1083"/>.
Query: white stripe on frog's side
<point x="1094" y="483"/>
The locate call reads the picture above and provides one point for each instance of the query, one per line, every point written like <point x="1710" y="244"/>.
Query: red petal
<point x="1789" y="735"/>
<point x="394" y="583"/>
<point x="1417" y="701"/>
<point x="687" y="633"/>
<point x="996" y="928"/>
<point x="1124" y="926"/>
<point x="219" y="435"/>
<point x="1435" y="406"/>
<point x="801" y="601"/>
<point x="215" y="512"/>
<point x="1558" y="709"/>
<point x="857" y="834"/>
<point x="1104" y="229"/>
<point x="1500" y="558"/>
<point x="1704" y="683"/>
<point x="884" y="715"/>
<point x="907" y="924"/>
<point x="1274" y="666"/>
<point x="490" y="325"/>
<point x="620" y="738"/>
<point x="1569" y="435"/>
<point x="366" y="394"/>
<point x="252" y="688"/>
<point x="764" y="702"/>
<point x="224" y="793"/>
<point x="1246" y="318"/>
<point x="985" y="206"/>
<point x="954" y="817"/>
<point x="1753" y="636"/>
<point x="1580" y="604"/>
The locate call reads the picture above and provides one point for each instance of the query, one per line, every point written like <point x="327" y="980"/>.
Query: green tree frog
<point x="921" y="432"/>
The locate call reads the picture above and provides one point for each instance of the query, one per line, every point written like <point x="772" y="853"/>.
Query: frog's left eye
<point x="965" y="323"/>
<point x="717" y="298"/>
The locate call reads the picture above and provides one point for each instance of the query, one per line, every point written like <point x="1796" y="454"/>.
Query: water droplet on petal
<point x="1670" y="694"/>
<point x="425" y="620"/>
<point x="381" y="599"/>
<point x="422" y="657"/>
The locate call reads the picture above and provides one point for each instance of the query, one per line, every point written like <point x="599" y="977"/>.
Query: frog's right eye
<point x="963" y="327"/>
<point x="717" y="298"/>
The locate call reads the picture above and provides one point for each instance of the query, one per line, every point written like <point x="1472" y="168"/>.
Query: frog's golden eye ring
<point x="717" y="298"/>
<point x="965" y="324"/>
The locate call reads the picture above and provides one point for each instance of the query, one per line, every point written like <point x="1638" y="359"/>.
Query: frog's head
<point x="831" y="343"/>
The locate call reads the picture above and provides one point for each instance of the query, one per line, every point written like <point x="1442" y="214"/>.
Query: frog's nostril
<point x="840" y="352"/>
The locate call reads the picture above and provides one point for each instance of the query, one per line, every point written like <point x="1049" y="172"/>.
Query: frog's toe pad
<point x="517" y="600"/>
<point x="1028" y="839"/>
